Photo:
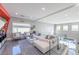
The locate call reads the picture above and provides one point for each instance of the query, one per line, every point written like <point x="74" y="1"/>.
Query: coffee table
<point x="63" y="50"/>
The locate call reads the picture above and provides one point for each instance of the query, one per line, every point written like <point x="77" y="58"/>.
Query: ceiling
<point x="67" y="16"/>
<point x="53" y="13"/>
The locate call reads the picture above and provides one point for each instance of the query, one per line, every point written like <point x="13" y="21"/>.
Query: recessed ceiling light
<point x="16" y="13"/>
<point x="43" y="9"/>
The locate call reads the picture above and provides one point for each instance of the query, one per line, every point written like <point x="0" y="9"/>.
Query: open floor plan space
<point x="39" y="29"/>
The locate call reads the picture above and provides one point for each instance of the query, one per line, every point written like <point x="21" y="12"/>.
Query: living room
<point x="31" y="25"/>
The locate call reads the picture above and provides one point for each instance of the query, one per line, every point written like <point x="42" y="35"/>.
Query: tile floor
<point x="71" y="45"/>
<point x="23" y="47"/>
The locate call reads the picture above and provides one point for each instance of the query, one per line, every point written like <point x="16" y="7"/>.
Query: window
<point x="19" y="27"/>
<point x="15" y="30"/>
<point x="65" y="27"/>
<point x="21" y="24"/>
<point x="74" y="27"/>
<point x="22" y="30"/>
<point x="58" y="28"/>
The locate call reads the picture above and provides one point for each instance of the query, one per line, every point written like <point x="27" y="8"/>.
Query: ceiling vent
<point x="21" y="21"/>
<point x="22" y="15"/>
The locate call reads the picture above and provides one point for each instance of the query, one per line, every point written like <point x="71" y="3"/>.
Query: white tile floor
<point x="71" y="45"/>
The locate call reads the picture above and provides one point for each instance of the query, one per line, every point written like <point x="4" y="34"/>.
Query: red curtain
<point x="4" y="14"/>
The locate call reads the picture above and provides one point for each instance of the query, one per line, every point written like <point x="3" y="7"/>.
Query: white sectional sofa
<point x="44" y="44"/>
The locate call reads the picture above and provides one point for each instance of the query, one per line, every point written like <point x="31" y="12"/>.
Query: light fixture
<point x="16" y="13"/>
<point x="43" y="9"/>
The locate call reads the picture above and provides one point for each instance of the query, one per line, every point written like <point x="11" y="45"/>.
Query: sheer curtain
<point x="20" y="27"/>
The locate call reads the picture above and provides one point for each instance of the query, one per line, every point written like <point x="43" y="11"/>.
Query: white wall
<point x="44" y="28"/>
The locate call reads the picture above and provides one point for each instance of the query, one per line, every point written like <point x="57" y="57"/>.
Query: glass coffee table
<point x="63" y="50"/>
